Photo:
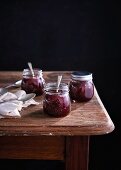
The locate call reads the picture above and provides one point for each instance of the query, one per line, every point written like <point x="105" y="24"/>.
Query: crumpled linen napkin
<point x="10" y="104"/>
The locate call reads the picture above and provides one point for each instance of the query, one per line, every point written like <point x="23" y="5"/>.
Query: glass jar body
<point x="81" y="88"/>
<point x="33" y="84"/>
<point x="56" y="103"/>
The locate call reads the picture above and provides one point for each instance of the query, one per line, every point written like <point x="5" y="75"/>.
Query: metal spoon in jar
<point x="58" y="82"/>
<point x="5" y="89"/>
<point x="31" y="68"/>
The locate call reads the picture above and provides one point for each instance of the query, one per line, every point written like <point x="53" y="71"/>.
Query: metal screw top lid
<point x="81" y="75"/>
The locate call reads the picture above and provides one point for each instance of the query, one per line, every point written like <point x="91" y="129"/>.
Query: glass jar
<point x="33" y="84"/>
<point x="56" y="102"/>
<point x="81" y="86"/>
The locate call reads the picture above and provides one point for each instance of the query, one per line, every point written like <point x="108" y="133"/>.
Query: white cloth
<point x="10" y="104"/>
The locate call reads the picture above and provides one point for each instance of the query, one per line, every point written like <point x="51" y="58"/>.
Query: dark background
<point x="68" y="35"/>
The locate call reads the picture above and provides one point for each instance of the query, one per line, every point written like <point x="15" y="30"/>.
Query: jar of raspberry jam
<point x="81" y="86"/>
<point x="33" y="84"/>
<point x="56" y="102"/>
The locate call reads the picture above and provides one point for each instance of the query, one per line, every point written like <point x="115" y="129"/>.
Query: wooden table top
<point x="90" y="118"/>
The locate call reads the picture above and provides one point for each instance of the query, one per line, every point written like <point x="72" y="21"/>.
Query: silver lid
<point x="81" y="75"/>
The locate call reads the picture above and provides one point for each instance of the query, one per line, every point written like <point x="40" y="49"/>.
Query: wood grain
<point x="90" y="118"/>
<point x="27" y="147"/>
<point x="77" y="153"/>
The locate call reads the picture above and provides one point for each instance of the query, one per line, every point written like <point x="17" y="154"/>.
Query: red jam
<point x="81" y="86"/>
<point x="55" y="103"/>
<point x="33" y="84"/>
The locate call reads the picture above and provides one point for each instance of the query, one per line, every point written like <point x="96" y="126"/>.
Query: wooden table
<point x="38" y="136"/>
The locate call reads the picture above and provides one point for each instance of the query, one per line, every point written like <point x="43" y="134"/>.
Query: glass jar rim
<point x="53" y="86"/>
<point x="27" y="72"/>
<point x="81" y="75"/>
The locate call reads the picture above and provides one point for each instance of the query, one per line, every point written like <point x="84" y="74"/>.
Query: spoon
<point x="58" y="82"/>
<point x="31" y="69"/>
<point x="27" y="97"/>
<point x="4" y="89"/>
<point x="16" y="84"/>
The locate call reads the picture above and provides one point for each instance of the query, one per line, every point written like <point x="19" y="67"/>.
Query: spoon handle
<point x="10" y="85"/>
<point x="58" y="82"/>
<point x="16" y="84"/>
<point x="31" y="69"/>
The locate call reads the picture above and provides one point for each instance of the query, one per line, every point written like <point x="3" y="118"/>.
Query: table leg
<point x="77" y="153"/>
